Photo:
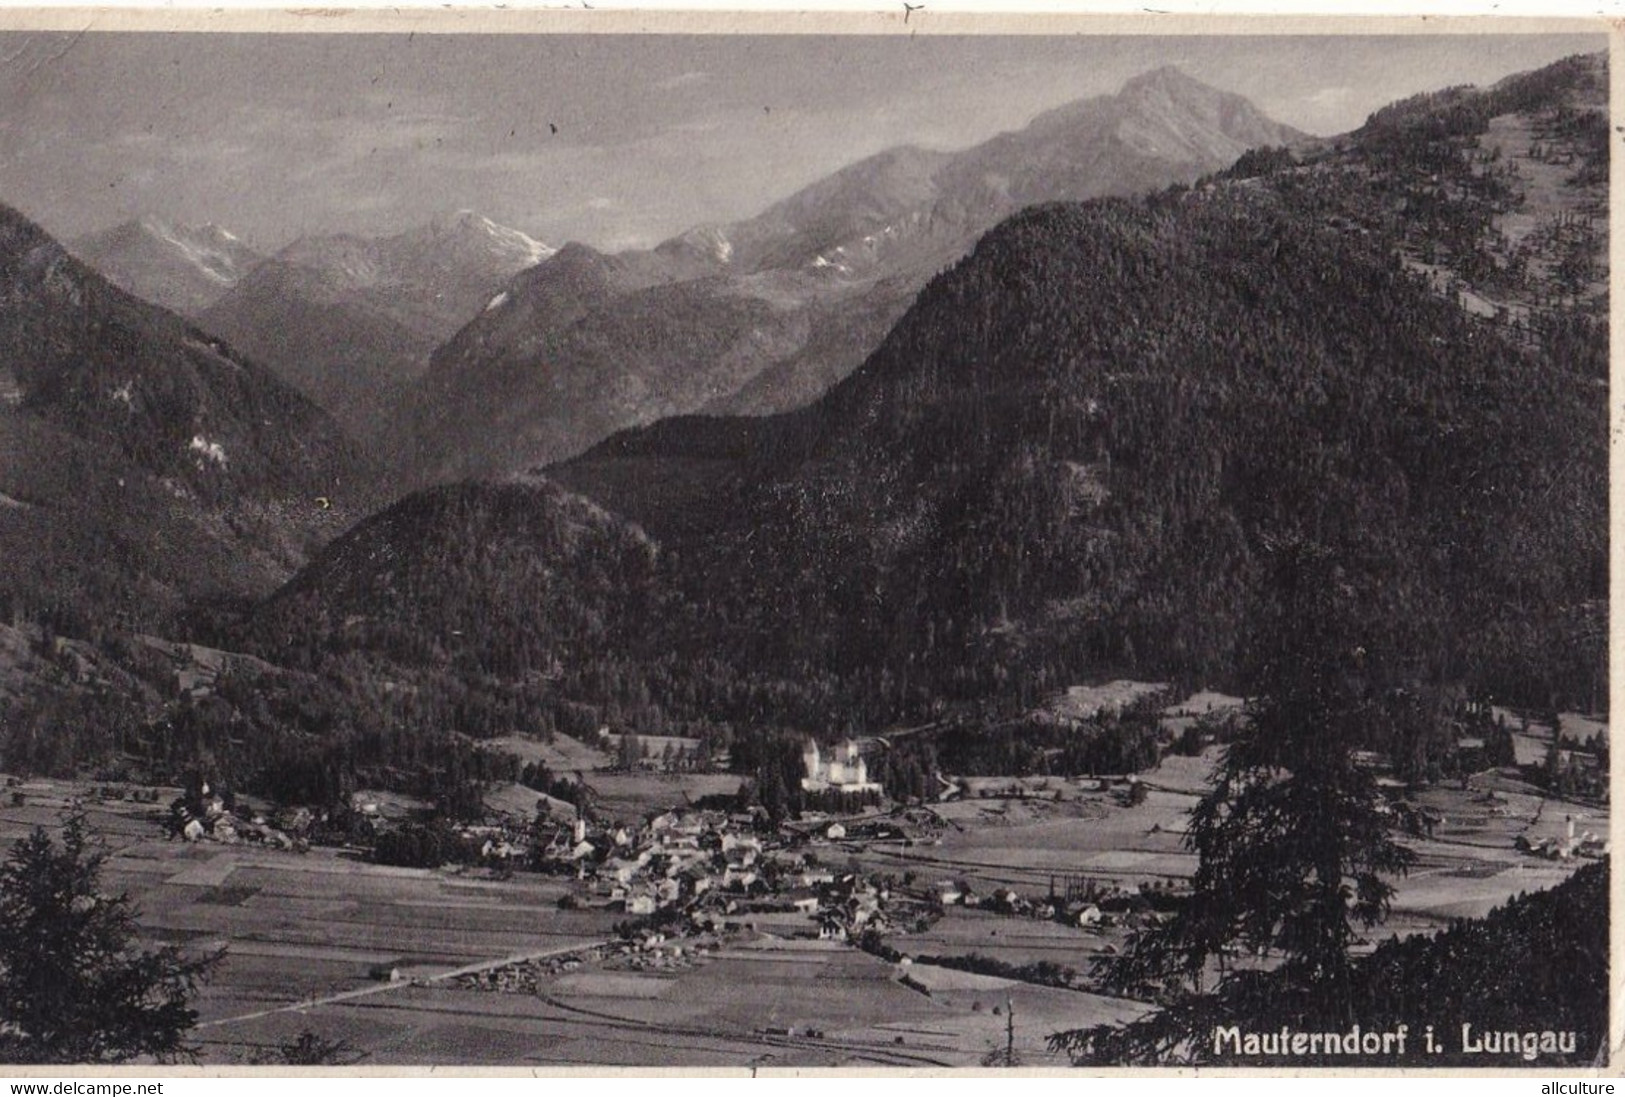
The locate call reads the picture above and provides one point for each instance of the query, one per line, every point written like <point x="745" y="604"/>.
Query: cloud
<point x="1331" y="98"/>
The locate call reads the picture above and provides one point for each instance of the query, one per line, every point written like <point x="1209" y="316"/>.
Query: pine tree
<point x="310" y="1049"/>
<point x="629" y="751"/>
<point x="775" y="796"/>
<point x="74" y="988"/>
<point x="1294" y="854"/>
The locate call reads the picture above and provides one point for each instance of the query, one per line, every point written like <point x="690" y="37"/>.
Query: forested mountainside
<point x="575" y="577"/>
<point x="1074" y="456"/>
<point x="1537" y="964"/>
<point x="143" y="464"/>
<point x="1547" y="950"/>
<point x="1498" y="196"/>
<point x="765" y="314"/>
<point x="1072" y="451"/>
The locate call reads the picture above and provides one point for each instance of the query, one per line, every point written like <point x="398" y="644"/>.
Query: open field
<point x="298" y="926"/>
<point x="1544" y="184"/>
<point x="1532" y="744"/>
<point x="966" y="932"/>
<point x="518" y="803"/>
<point x="631" y="796"/>
<point x="766" y="1001"/>
<point x="1205" y="702"/>
<point x="562" y="755"/>
<point x="1087" y="702"/>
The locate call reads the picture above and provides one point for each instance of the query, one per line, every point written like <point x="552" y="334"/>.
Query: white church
<point x="844" y="771"/>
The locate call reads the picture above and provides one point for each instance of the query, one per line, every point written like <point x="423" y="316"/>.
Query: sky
<point x="612" y="140"/>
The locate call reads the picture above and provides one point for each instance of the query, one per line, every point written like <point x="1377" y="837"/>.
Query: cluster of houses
<point x="202" y="814"/>
<point x="716" y="871"/>
<point x="1589" y="844"/>
<point x="643" y="952"/>
<point x="1102" y="907"/>
<point x="699" y="872"/>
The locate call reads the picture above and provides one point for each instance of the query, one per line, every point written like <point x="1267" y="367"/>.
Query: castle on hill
<point x="844" y="771"/>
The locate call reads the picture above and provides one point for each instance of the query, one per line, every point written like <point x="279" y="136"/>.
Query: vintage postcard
<point x="566" y="540"/>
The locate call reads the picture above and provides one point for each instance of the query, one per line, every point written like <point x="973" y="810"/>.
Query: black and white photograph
<point x="567" y="542"/>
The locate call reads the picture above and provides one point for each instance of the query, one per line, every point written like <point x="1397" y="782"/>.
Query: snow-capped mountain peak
<point x="183" y="267"/>
<point x="480" y="231"/>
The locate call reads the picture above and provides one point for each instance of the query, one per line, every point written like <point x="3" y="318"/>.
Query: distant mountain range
<point x="348" y="320"/>
<point x="465" y="348"/>
<point x="765" y="314"/>
<point x="351" y="320"/>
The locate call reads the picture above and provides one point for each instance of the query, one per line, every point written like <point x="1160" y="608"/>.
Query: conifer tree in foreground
<point x="1295" y="856"/>
<point x="74" y="985"/>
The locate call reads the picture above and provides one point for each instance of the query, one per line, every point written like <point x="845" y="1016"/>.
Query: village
<point x="929" y="931"/>
<point x="700" y="871"/>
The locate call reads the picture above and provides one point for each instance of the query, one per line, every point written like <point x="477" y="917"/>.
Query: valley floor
<point x="418" y="967"/>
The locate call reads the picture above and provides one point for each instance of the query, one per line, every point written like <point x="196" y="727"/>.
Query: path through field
<point x="388" y="985"/>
